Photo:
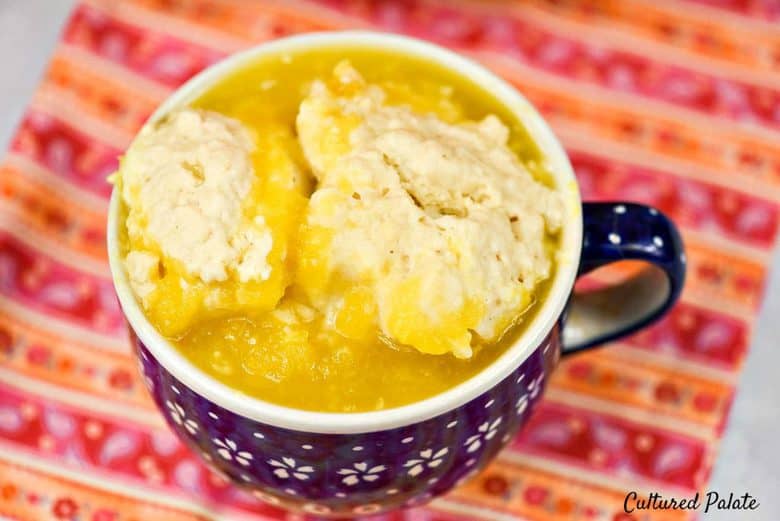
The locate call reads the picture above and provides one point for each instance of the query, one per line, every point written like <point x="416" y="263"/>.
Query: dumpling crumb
<point x="446" y="238"/>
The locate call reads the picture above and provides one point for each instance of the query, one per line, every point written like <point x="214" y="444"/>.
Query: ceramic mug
<point x="344" y="464"/>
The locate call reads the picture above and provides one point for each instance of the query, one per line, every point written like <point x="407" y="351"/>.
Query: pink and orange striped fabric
<point x="672" y="103"/>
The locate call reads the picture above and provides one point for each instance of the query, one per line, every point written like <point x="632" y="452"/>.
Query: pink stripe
<point x="423" y="514"/>
<point x="121" y="450"/>
<point x="611" y="445"/>
<point x="691" y="203"/>
<point x="697" y="334"/>
<point x="157" y="56"/>
<point x="126" y="452"/>
<point x="761" y="9"/>
<point x="511" y="34"/>
<point x="420" y="514"/>
<point x="58" y="147"/>
<point x="48" y="286"/>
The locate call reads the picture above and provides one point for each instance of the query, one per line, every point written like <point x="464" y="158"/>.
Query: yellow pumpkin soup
<point x="339" y="230"/>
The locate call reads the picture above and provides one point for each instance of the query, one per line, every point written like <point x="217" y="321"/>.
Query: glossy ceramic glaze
<point x="358" y="473"/>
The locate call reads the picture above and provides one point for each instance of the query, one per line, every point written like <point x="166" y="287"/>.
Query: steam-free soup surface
<point x="286" y="356"/>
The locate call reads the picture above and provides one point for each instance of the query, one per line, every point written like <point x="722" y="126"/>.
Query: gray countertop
<point x="749" y="459"/>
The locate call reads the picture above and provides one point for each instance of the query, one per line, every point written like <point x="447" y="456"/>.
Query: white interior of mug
<point x="318" y="422"/>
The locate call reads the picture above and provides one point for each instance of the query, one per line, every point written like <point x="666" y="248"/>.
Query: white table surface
<point x="749" y="459"/>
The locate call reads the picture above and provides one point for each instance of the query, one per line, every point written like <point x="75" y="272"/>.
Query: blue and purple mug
<point x="343" y="464"/>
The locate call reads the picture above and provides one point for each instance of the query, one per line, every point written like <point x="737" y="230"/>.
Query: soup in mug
<point x="339" y="230"/>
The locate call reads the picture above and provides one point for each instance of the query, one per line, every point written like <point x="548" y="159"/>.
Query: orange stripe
<point x="696" y="137"/>
<point x="533" y="493"/>
<point x="177" y="26"/>
<point x="679" y="361"/>
<point x="51" y="248"/>
<point x="702" y="144"/>
<point x="226" y="29"/>
<point x="576" y="136"/>
<point x="100" y="130"/>
<point x="69" y="81"/>
<point x="714" y="274"/>
<point x="636" y="382"/>
<point x="61" y="326"/>
<point x="42" y="355"/>
<point x="33" y="204"/>
<point x="110" y="69"/>
<point x="34" y="177"/>
<point x="696" y="29"/>
<point x="723" y="275"/>
<point x="19" y="483"/>
<point x="587" y="30"/>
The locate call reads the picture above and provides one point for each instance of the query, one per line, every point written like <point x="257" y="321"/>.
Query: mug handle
<point x="615" y="231"/>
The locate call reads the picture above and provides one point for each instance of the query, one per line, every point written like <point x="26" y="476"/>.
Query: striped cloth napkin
<point x="671" y="103"/>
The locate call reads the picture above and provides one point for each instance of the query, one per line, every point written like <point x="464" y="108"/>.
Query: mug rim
<point x="567" y="260"/>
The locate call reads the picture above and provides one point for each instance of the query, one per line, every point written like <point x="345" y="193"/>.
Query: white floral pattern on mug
<point x="180" y="417"/>
<point x="289" y="468"/>
<point x="360" y="471"/>
<point x="485" y="432"/>
<point x="282" y="467"/>
<point x="229" y="451"/>
<point x="535" y="386"/>
<point x="427" y="459"/>
<point x="522" y="404"/>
